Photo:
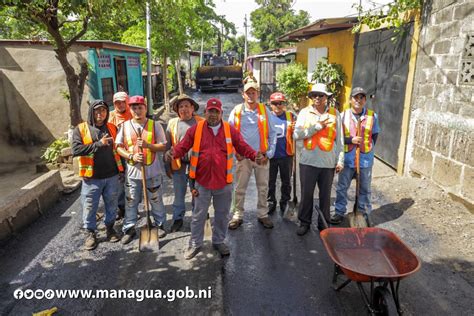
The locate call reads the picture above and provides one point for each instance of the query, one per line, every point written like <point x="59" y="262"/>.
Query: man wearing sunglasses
<point x="320" y="128"/>
<point x="369" y="130"/>
<point x="284" y="124"/>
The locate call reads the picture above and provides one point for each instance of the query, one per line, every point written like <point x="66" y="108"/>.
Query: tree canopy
<point x="274" y="18"/>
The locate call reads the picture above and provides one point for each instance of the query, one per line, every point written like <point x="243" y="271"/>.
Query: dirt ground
<point x="425" y="217"/>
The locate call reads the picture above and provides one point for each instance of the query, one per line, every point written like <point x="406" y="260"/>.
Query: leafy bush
<point x="291" y="80"/>
<point x="331" y="75"/>
<point x="51" y="154"/>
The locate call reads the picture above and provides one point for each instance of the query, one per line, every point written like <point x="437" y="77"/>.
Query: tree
<point x="174" y="24"/>
<point x="392" y="15"/>
<point x="237" y="44"/>
<point x="273" y="19"/>
<point x="63" y="23"/>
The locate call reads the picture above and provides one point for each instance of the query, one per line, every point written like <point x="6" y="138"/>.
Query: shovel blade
<point x="357" y="220"/>
<point x="208" y="229"/>
<point x="290" y="212"/>
<point x="149" y="240"/>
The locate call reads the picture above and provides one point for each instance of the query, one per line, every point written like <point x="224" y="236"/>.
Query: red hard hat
<point x="277" y="96"/>
<point x="136" y="99"/>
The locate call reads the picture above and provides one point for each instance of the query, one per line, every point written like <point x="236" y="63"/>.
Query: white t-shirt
<point x="156" y="168"/>
<point x="215" y="129"/>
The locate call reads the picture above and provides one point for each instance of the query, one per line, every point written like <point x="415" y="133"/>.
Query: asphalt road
<point x="269" y="271"/>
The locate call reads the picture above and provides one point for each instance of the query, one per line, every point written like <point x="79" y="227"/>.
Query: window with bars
<point x="108" y="90"/>
<point x="466" y="73"/>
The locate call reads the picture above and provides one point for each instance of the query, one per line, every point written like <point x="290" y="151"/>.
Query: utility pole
<point x="245" y="45"/>
<point x="202" y="47"/>
<point x="148" y="63"/>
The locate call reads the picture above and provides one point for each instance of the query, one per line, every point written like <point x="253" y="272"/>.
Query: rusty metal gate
<point x="268" y="72"/>
<point x="381" y="67"/>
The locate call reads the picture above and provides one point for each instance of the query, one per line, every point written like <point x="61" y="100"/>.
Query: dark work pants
<point x="309" y="176"/>
<point x="284" y="165"/>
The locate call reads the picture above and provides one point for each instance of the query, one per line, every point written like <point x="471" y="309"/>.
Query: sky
<point x="235" y="10"/>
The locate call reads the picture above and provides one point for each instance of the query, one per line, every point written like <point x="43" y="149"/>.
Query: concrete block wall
<point x="20" y="209"/>
<point x="441" y="138"/>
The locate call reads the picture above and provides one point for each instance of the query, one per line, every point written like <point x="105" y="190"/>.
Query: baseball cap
<point x="358" y="90"/>
<point x="136" y="99"/>
<point x="99" y="103"/>
<point x="251" y="84"/>
<point x="277" y="96"/>
<point x="214" y="103"/>
<point x="120" y="96"/>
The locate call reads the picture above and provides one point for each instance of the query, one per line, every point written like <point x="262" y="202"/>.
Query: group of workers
<point x="215" y="159"/>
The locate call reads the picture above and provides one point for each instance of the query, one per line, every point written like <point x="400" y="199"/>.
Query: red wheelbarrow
<point x="372" y="255"/>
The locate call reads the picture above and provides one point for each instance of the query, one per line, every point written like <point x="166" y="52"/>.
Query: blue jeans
<point x="180" y="183"/>
<point x="91" y="191"/>
<point x="134" y="192"/>
<point x="343" y="185"/>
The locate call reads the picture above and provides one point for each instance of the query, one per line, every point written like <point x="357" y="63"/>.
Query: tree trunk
<point x="178" y="74"/>
<point x="75" y="84"/>
<point x="166" y="96"/>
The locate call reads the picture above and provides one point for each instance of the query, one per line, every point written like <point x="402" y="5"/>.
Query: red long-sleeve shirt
<point x="212" y="163"/>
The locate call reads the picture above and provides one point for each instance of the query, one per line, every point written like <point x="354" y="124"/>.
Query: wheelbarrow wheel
<point x="383" y="302"/>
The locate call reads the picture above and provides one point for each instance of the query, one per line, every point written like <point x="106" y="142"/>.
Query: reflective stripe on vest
<point x="325" y="137"/>
<point x="262" y="124"/>
<point x="197" y="147"/>
<point x="173" y="127"/>
<point x="86" y="163"/>
<point x="289" y="134"/>
<point x="130" y="137"/>
<point x="350" y="129"/>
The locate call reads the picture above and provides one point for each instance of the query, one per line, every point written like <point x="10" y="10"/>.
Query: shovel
<point x="357" y="218"/>
<point x="149" y="240"/>
<point x="290" y="212"/>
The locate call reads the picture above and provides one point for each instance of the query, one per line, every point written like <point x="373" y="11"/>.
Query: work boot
<point x="303" y="229"/>
<point x="112" y="234"/>
<point x="128" y="237"/>
<point x="336" y="219"/>
<point x="91" y="240"/>
<point x="266" y="222"/>
<point x="177" y="224"/>
<point x="222" y="248"/>
<point x="271" y="207"/>
<point x="235" y="223"/>
<point x="161" y="231"/>
<point x="191" y="252"/>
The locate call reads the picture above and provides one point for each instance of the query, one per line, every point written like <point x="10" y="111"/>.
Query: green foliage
<point x="291" y="80"/>
<point x="332" y="75"/>
<point x="52" y="152"/>
<point x="274" y="18"/>
<point x="63" y="23"/>
<point x="393" y="14"/>
<point x="237" y="44"/>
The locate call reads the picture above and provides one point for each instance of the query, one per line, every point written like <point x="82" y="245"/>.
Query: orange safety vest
<point x="289" y="134"/>
<point x="197" y="146"/>
<point x="86" y="163"/>
<point x="130" y="137"/>
<point x="350" y="129"/>
<point x="325" y="137"/>
<point x="173" y="127"/>
<point x="262" y="124"/>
